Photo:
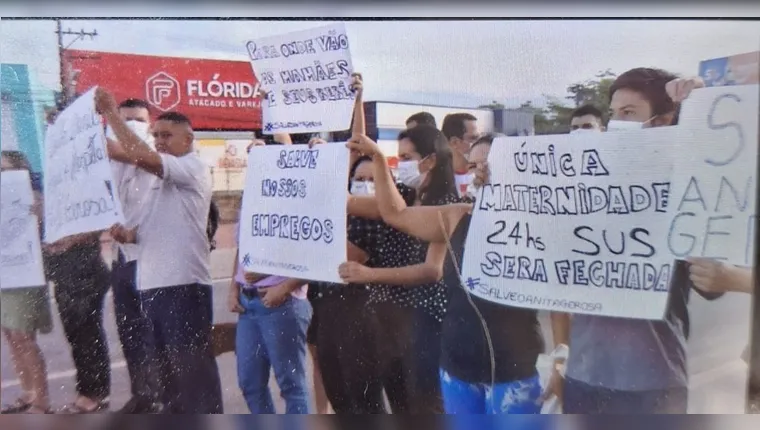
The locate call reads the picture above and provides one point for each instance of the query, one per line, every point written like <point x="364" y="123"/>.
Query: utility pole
<point x="66" y="91"/>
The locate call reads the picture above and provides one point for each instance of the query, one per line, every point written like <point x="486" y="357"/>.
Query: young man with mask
<point x="131" y="323"/>
<point x="586" y="118"/>
<point x="461" y="129"/>
<point x="630" y="366"/>
<point x="173" y="257"/>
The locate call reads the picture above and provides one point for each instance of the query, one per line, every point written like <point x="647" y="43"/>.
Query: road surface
<point x="719" y="334"/>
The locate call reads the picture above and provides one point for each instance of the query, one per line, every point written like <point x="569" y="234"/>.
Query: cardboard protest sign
<point x="20" y="249"/>
<point x="715" y="175"/>
<point x="569" y="223"/>
<point x="79" y="187"/>
<point x="308" y="77"/>
<point x="293" y="217"/>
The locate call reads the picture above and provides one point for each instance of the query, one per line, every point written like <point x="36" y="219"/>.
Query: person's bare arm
<point x="116" y="151"/>
<point x="419" y="274"/>
<point x="354" y="253"/>
<point x="363" y="207"/>
<point x="283" y="138"/>
<point x="428" y="223"/>
<point x="135" y="151"/>
<point x="739" y="279"/>
<point x="359" y="124"/>
<point x="560" y="328"/>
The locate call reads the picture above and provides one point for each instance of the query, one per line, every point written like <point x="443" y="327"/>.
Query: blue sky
<point x="461" y="63"/>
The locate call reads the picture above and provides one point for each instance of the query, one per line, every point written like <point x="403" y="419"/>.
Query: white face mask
<point x="472" y="191"/>
<point x="409" y="174"/>
<point x="617" y="125"/>
<point x="141" y="129"/>
<point x="362" y="188"/>
<point x="586" y="130"/>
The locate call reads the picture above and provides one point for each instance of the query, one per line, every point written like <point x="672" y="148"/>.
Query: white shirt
<point x="172" y="242"/>
<point x="132" y="186"/>
<point x="462" y="181"/>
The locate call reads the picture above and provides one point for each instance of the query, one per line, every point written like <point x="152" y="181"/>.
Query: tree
<point x="593" y="91"/>
<point x="555" y="118"/>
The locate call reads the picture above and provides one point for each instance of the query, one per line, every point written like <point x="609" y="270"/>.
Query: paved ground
<point x="719" y="334"/>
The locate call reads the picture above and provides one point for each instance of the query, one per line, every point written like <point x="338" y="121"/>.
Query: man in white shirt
<point x="173" y="257"/>
<point x="461" y="129"/>
<point x="132" y="186"/>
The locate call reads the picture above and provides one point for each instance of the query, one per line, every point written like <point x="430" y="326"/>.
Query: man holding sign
<point x="173" y="257"/>
<point x="625" y="365"/>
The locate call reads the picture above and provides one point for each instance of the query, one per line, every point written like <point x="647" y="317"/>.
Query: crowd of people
<point x="402" y="335"/>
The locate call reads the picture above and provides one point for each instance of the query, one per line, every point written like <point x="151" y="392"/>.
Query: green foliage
<point x="555" y="117"/>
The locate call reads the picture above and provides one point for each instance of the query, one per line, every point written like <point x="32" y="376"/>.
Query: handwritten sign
<point x="308" y="77"/>
<point x="20" y="250"/>
<point x="79" y="191"/>
<point x="569" y="223"/>
<point x="293" y="219"/>
<point x="715" y="175"/>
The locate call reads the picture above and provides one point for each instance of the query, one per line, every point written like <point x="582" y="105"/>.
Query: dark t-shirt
<point x="360" y="237"/>
<point x="397" y="249"/>
<point x="78" y="262"/>
<point x="515" y="332"/>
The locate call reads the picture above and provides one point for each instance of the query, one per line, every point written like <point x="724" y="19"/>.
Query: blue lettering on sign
<point x="298" y="159"/>
<point x="574" y="199"/>
<point x="614" y="274"/>
<point x="292" y="227"/>
<point x="280" y="125"/>
<point x="472" y="283"/>
<point x="283" y="188"/>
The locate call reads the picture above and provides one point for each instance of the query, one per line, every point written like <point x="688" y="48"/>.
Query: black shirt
<point x="515" y="332"/>
<point x="362" y="234"/>
<point x="397" y="249"/>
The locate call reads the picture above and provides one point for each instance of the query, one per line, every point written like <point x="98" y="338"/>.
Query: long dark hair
<point x="429" y="140"/>
<point x="17" y="159"/>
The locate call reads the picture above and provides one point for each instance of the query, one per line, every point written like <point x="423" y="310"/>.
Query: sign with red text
<point x="214" y="94"/>
<point x="307" y="75"/>
<point x="571" y="223"/>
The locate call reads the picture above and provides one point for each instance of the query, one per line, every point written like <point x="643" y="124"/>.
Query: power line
<point x="67" y="80"/>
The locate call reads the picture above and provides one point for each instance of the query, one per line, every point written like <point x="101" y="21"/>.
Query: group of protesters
<point x="401" y="335"/>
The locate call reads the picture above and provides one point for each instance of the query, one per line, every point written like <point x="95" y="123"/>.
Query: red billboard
<point x="214" y="94"/>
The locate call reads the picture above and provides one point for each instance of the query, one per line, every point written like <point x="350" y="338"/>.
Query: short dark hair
<point x="429" y="140"/>
<point x="650" y="83"/>
<point x="134" y="103"/>
<point x="17" y="159"/>
<point x="454" y="124"/>
<point x="588" y="110"/>
<point x="422" y="118"/>
<point x="485" y="139"/>
<point x="175" y="117"/>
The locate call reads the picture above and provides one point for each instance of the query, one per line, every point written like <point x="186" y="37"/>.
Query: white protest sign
<point x="20" y="250"/>
<point x="79" y="187"/>
<point x="293" y="219"/>
<point x="569" y="224"/>
<point x="308" y="77"/>
<point x="715" y="175"/>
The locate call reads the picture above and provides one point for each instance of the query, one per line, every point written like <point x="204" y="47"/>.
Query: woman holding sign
<point x="479" y="373"/>
<point x="24" y="312"/>
<point x="407" y="296"/>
